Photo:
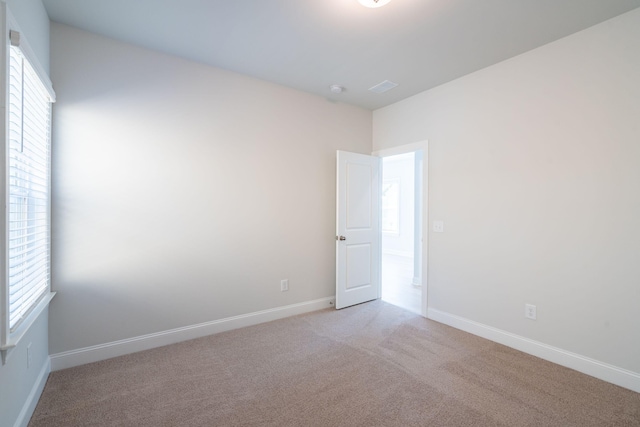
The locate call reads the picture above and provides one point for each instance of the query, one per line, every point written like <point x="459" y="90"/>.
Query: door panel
<point x="358" y="196"/>
<point x="358" y="266"/>
<point x="358" y="231"/>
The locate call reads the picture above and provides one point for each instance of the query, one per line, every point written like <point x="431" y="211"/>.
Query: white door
<point x="358" y="230"/>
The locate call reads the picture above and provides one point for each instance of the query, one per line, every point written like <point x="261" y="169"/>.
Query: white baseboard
<point x="396" y="252"/>
<point x="603" y="371"/>
<point x="99" y="352"/>
<point x="32" y="400"/>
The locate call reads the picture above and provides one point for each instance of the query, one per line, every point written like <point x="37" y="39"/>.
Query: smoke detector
<point x="336" y="89"/>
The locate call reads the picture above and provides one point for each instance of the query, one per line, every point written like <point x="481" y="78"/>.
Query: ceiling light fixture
<point x="373" y="3"/>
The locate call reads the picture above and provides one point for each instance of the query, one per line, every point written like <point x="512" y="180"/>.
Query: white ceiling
<point x="312" y="44"/>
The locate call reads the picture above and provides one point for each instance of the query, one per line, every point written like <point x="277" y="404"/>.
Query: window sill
<point x="21" y="331"/>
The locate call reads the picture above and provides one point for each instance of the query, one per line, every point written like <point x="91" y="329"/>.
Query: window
<point x="27" y="177"/>
<point x="391" y="206"/>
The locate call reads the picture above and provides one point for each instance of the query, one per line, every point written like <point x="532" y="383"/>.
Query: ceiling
<point x="310" y="45"/>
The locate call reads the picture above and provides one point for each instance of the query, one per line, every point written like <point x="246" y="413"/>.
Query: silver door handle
<point x="341" y="238"/>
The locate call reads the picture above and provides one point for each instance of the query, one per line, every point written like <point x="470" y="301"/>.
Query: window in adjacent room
<point x="391" y="206"/>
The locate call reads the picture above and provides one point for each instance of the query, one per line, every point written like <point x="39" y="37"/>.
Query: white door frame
<point x="410" y="148"/>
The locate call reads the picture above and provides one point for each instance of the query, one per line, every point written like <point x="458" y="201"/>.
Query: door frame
<point x="410" y="148"/>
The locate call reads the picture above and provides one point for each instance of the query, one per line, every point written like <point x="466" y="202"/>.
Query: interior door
<point x="358" y="230"/>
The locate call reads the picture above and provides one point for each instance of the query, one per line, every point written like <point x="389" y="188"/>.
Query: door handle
<point x="341" y="238"/>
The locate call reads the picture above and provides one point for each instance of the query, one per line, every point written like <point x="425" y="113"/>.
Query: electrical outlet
<point x="530" y="311"/>
<point x="284" y="285"/>
<point x="438" y="226"/>
<point x="29" y="356"/>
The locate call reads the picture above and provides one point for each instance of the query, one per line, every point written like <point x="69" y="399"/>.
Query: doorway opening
<point x="401" y="222"/>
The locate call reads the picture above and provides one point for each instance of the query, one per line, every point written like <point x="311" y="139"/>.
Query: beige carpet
<point x="369" y="365"/>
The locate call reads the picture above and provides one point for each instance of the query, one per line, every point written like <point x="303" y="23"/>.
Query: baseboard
<point x="396" y="252"/>
<point x="603" y="371"/>
<point x="32" y="400"/>
<point x="96" y="353"/>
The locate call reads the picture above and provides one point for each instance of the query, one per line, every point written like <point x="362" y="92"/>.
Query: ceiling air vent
<point x="383" y="87"/>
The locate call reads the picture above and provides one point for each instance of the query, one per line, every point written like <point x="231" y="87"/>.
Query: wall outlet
<point x="438" y="226"/>
<point x="29" y="356"/>
<point x="284" y="285"/>
<point x="530" y="311"/>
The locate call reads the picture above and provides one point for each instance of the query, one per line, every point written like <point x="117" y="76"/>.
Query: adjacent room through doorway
<point x="401" y="222"/>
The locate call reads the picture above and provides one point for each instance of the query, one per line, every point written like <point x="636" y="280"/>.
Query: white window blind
<point x="29" y="124"/>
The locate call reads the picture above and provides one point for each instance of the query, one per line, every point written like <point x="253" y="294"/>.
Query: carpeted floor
<point x="368" y="365"/>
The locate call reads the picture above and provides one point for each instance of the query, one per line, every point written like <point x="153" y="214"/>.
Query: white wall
<point x="20" y="386"/>
<point x="34" y="23"/>
<point x="534" y="168"/>
<point x="184" y="193"/>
